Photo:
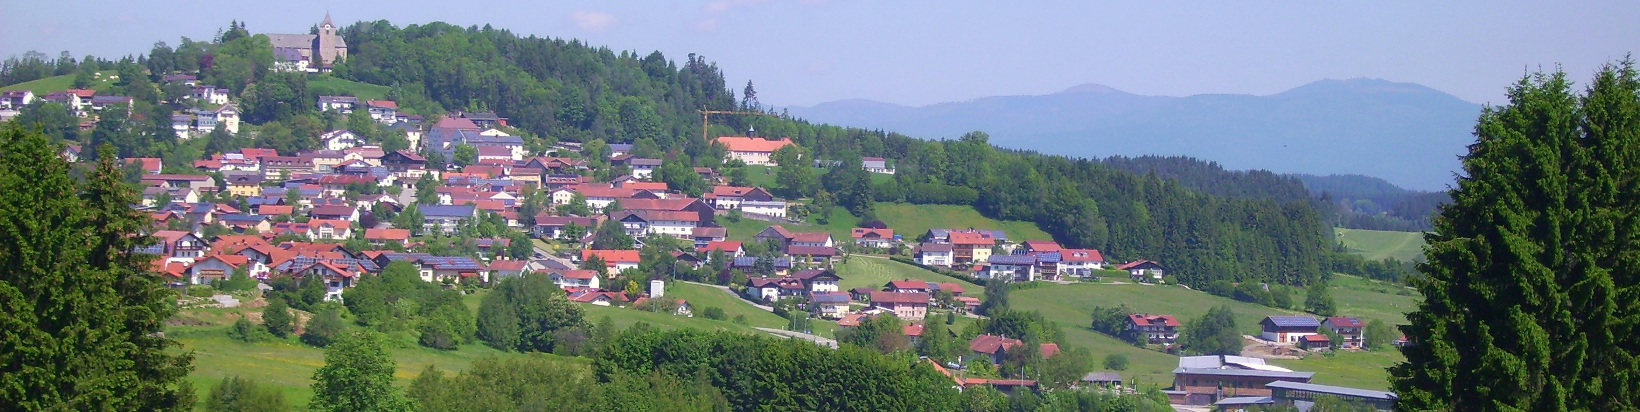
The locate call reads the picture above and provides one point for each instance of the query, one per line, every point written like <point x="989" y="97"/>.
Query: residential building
<point x="383" y="111"/>
<point x="970" y="247"/>
<point x="342" y="139"/>
<point x="772" y="289"/>
<point x="643" y="168"/>
<point x="876" y="165"/>
<point x="617" y="260"/>
<point x="1154" y="329"/>
<point x="444" y="219"/>
<point x="1288" y="329"/>
<point x="908" y="286"/>
<point x="16" y="99"/>
<point x="729" y="197"/>
<point x="875" y="238"/>
<point x="907" y="306"/>
<point x="818" y="280"/>
<point x="829" y="305"/>
<point x="934" y="254"/>
<point x="752" y="150"/>
<point x="771" y="208"/>
<point x="1349" y="329"/>
<point x="1144" y="271"/>
<point x="1080" y="262"/>
<point x="640" y="223"/>
<point x="575" y="278"/>
<point x="383" y="237"/>
<point x="1010" y="268"/>
<point x="994" y="347"/>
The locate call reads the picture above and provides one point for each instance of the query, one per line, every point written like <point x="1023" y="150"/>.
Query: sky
<point x="915" y="52"/>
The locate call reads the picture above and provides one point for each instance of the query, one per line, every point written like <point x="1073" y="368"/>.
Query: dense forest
<point x="1363" y="202"/>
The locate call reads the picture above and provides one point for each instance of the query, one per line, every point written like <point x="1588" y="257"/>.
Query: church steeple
<point x="326" y="23"/>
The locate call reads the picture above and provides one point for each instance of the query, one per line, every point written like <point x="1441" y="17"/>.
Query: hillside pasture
<point x="1381" y="244"/>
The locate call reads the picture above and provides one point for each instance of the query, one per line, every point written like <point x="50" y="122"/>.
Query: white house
<point x="576" y="278"/>
<point x="752" y="150"/>
<point x="340" y="140"/>
<point x="774" y="208"/>
<point x="934" y="254"/>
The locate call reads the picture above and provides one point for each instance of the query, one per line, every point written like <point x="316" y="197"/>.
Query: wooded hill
<point x="1205" y="225"/>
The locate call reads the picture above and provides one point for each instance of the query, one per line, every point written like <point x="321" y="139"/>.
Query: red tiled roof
<point x="1080" y="255"/>
<point x="680" y="203"/>
<point x="990" y="344"/>
<point x="453" y="122"/>
<point x="1042" y="246"/>
<point x="382" y="103"/>
<point x="752" y="144"/>
<point x="1316" y="338"/>
<point x="231" y="260"/>
<point x="952" y="287"/>
<point x="1136" y="263"/>
<point x="811" y="251"/>
<point x="610" y="257"/>
<point x="275" y="210"/>
<point x="1151" y="320"/>
<point x="387" y="234"/>
<point x="508" y="264"/>
<point x="881" y="297"/>
<point x="583" y="274"/>
<point x="149" y="164"/>
<point x="913" y="329"/>
<point x="1345" y="322"/>
<point x="649" y="186"/>
<point x="862" y="233"/>
<point x="970" y="239"/>
<point x="605" y="191"/>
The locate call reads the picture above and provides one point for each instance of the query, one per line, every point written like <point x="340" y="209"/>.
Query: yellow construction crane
<point x="706" y="118"/>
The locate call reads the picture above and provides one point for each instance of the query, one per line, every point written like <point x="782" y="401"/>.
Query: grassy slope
<point x="1371" y="299"/>
<point x="701" y="297"/>
<point x="906" y="219"/>
<point x="874" y="272"/>
<point x="1379" y="244"/>
<point x="1070" y="306"/>
<point x="53" y="84"/>
<point x="1364" y="370"/>
<point x="360" y="90"/>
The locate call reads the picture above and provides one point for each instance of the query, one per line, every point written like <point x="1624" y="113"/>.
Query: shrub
<point x="1116" y="362"/>
<point x="277" y="319"/>
<point x="323" y="328"/>
<point x="201" y="291"/>
<point x="437" y="334"/>
<point x="245" y="331"/>
<point x="714" y="313"/>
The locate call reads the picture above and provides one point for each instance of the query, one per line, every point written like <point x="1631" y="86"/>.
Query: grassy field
<point x="1070" y="306"/>
<point x="760" y="175"/>
<point x="1355" y="369"/>
<point x="365" y="91"/>
<point x="54" y="84"/>
<point x="1371" y="299"/>
<point x="1379" y="244"/>
<point x="874" y="272"/>
<point x="701" y="297"/>
<point x="912" y="221"/>
<point x="288" y="364"/>
<point x="908" y="220"/>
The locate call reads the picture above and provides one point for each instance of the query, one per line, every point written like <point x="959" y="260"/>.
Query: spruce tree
<point x="82" y="310"/>
<point x="1532" y="286"/>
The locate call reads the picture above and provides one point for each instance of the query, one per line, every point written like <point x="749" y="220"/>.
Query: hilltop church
<point x="313" y="53"/>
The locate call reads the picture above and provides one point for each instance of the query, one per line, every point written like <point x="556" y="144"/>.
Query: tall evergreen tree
<point x="82" y="310"/>
<point x="1532" y="286"/>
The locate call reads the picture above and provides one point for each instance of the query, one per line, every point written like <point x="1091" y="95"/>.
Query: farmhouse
<point x="1288" y="329"/>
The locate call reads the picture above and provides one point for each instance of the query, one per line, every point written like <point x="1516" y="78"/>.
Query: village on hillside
<point x="468" y="204"/>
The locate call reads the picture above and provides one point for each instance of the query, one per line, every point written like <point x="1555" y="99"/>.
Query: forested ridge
<point x="1203" y="222"/>
<point x="1250" y="226"/>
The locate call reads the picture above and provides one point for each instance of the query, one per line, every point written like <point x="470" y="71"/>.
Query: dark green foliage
<point x="538" y="383"/>
<point x="238" y="281"/>
<point x="1116" y="362"/>
<point x="357" y="376"/>
<point x="612" y="235"/>
<point x="464" y="155"/>
<point x="1023" y="325"/>
<point x="1318" y="300"/>
<point x="323" y="328"/>
<point x="996" y="297"/>
<point x="1378" y="335"/>
<point x="1532" y="297"/>
<point x="884" y="333"/>
<point x="235" y="394"/>
<point x="277" y="319"/>
<point x="1212" y="334"/>
<point x="791" y="374"/>
<point x="714" y="313"/>
<point x="82" y="312"/>
<point x="245" y="331"/>
<point x="523" y="313"/>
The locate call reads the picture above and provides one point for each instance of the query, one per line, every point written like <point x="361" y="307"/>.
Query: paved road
<point x="827" y="342"/>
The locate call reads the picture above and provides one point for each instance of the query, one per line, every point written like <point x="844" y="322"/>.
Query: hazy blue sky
<point x="919" y="52"/>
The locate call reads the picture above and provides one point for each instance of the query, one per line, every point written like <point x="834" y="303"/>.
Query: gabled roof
<point x="448" y="211"/>
<point x="582" y="274"/>
<point x="1020" y="260"/>
<point x="752" y="144"/>
<point x="952" y="287"/>
<point x="868" y="233"/>
<point x="811" y="251"/>
<point x="1081" y="255"/>
<point x="810" y="275"/>
<point x="1153" y="320"/>
<point x="971" y="239"/>
<point x="1141" y="264"/>
<point x="830" y="297"/>
<point x="387" y="234"/>
<point x="1292" y="321"/>
<point x="913" y="298"/>
<point x="1345" y="322"/>
<point x="935" y="247"/>
<point x="726" y="246"/>
<point x="612" y="256"/>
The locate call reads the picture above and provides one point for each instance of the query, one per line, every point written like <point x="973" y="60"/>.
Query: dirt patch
<point x="1259" y="348"/>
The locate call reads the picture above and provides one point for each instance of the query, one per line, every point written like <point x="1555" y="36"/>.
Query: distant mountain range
<point x="1406" y="133"/>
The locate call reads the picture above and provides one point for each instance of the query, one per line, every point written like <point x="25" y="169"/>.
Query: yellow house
<point x="245" y="185"/>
